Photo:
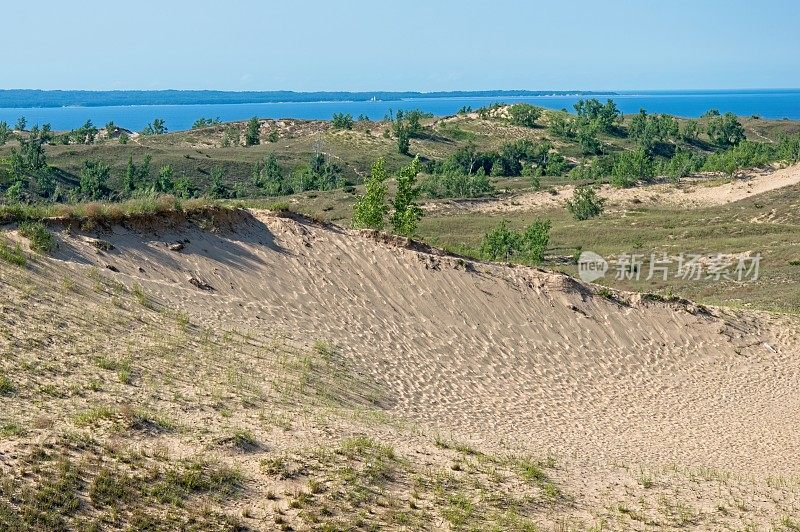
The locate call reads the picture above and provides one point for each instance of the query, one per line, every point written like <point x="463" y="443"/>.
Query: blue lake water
<point x="775" y="104"/>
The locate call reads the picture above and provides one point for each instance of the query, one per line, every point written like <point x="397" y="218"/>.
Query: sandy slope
<point x="499" y="356"/>
<point x="689" y="192"/>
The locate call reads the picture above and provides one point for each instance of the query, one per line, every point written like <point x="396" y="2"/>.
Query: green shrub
<point x="342" y="121"/>
<point x="682" y="164"/>
<point x="500" y="243"/>
<point x="407" y="212"/>
<point x="604" y="117"/>
<point x="746" y="154"/>
<point x="585" y="203"/>
<point x="524" y="114"/>
<point x="252" y="135"/>
<point x="12" y="255"/>
<point x="41" y="239"/>
<point x="269" y="176"/>
<point x="725" y="130"/>
<point x="370" y="209"/>
<point x="535" y="240"/>
<point x="504" y="243"/>
<point x="789" y="148"/>
<point x="458" y="185"/>
<point x="6" y="386"/>
<point x="631" y="166"/>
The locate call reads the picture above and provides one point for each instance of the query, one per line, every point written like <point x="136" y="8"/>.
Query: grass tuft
<point x="41" y="239"/>
<point x="12" y="255"/>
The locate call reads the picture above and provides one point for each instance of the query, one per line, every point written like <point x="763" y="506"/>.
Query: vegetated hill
<point x="556" y="146"/>
<point x="228" y="368"/>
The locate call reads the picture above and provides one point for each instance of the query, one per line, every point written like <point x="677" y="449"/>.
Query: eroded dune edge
<point x="244" y="368"/>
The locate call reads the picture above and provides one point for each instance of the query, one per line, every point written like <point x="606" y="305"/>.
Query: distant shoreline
<point x="32" y="98"/>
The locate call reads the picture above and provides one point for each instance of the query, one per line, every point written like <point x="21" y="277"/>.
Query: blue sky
<point x="404" y="45"/>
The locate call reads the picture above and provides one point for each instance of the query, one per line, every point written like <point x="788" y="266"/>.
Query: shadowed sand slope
<point x="498" y="355"/>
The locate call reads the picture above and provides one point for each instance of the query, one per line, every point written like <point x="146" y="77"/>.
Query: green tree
<point x="524" y="114"/>
<point x="631" y="166"/>
<point x="342" y="121"/>
<point x="789" y="148"/>
<point x="85" y="134"/>
<point x="165" y="183"/>
<point x="535" y="240"/>
<point x="144" y="170"/>
<point x="14" y="193"/>
<point x="370" y="209"/>
<point x="45" y="184"/>
<point x="500" y="242"/>
<point x="273" y="136"/>
<point x="21" y="123"/>
<point x="31" y="156"/>
<point x="457" y="185"/>
<point x="585" y="203"/>
<point x="129" y="179"/>
<point x="683" y="163"/>
<point x="413" y="121"/>
<point x="156" y="127"/>
<point x="587" y="138"/>
<point x="5" y="133"/>
<point x="651" y="130"/>
<point x="690" y="131"/>
<point x="218" y="189"/>
<point x="268" y="176"/>
<point x="252" y="134"/>
<point x="604" y="116"/>
<point x="94" y="177"/>
<point x="184" y="188"/>
<point x="205" y="122"/>
<point x="407" y="211"/>
<point x="563" y="126"/>
<point x="403" y="141"/>
<point x="725" y="130"/>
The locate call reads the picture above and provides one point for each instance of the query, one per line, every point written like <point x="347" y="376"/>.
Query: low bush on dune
<point x="585" y="204"/>
<point x="40" y="237"/>
<point x="12" y="254"/>
<point x="457" y="185"/>
<point x="502" y="243"/>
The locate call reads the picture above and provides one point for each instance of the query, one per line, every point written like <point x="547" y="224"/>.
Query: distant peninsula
<point x="72" y="98"/>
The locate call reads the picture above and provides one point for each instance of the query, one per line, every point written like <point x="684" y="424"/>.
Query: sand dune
<point x="501" y="356"/>
<point x="690" y="192"/>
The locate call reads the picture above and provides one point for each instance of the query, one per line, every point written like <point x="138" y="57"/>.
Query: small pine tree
<point x="268" y="176"/>
<point x="403" y="141"/>
<point x="165" y="182"/>
<point x="252" y="135"/>
<point x="129" y="181"/>
<point x="94" y="177"/>
<point x="585" y="203"/>
<point x="342" y="121"/>
<point x="370" y="210"/>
